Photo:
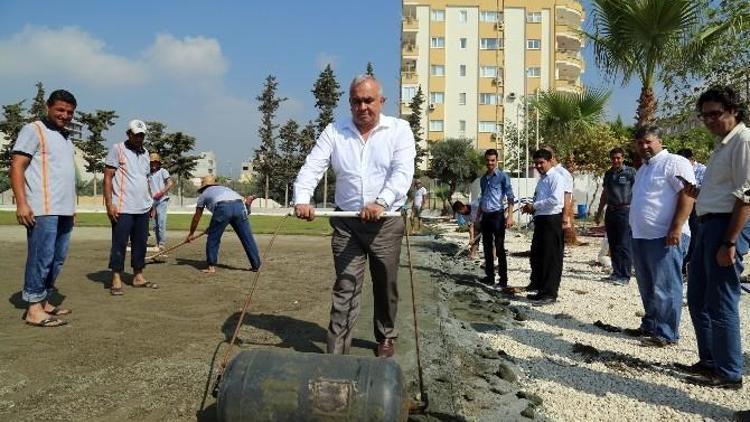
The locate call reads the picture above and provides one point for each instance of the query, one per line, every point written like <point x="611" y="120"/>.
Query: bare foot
<point x="210" y="270"/>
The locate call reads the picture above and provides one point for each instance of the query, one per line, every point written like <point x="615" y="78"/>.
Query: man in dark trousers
<point x="617" y="191"/>
<point x="495" y="185"/>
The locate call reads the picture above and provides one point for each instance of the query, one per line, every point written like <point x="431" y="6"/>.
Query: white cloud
<point x="69" y="52"/>
<point x="323" y="59"/>
<point x="188" y="58"/>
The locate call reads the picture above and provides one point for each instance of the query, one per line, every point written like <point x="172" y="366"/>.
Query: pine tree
<point x="307" y="139"/>
<point x="13" y="121"/>
<point x="156" y="140"/>
<point x="177" y="159"/>
<point x="288" y="160"/>
<point x="266" y="156"/>
<point x="38" y="109"/>
<point x="92" y="147"/>
<point x="370" y="71"/>
<point x="327" y="94"/>
<point x="415" y="122"/>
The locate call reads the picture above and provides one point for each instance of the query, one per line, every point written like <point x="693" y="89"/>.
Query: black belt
<point x="713" y="216"/>
<point x="618" y="206"/>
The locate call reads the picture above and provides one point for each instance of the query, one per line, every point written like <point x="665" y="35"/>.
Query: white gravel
<point x="576" y="390"/>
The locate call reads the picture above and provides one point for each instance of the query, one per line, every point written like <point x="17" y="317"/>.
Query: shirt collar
<point x="740" y="126"/>
<point x="51" y="126"/>
<point x="656" y="158"/>
<point x="132" y="147"/>
<point x="383" y="122"/>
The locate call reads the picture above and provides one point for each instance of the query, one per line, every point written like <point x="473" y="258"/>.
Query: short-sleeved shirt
<point x="618" y="183"/>
<point x="212" y="195"/>
<point x="474" y="215"/>
<point x="158" y="181"/>
<point x="130" y="190"/>
<point x="566" y="177"/>
<point x="419" y="196"/>
<point x="549" y="195"/>
<point x="727" y="176"/>
<point x="51" y="174"/>
<point x="655" y="194"/>
<point x="494" y="187"/>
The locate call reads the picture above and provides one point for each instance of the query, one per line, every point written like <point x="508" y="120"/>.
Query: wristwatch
<point x="382" y="203"/>
<point x="728" y="243"/>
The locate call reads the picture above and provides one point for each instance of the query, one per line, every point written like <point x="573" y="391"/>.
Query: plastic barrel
<point x="582" y="211"/>
<point x="281" y="385"/>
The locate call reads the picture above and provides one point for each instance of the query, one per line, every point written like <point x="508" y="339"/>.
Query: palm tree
<point x="637" y="37"/>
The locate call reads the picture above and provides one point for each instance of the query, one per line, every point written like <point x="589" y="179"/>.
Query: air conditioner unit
<point x="497" y="80"/>
<point x="493" y="136"/>
<point x="499" y="26"/>
<point x="431" y="107"/>
<point x="512" y="96"/>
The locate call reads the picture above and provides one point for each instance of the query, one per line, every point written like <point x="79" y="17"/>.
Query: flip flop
<point x="48" y="323"/>
<point x="116" y="291"/>
<point x="57" y="311"/>
<point x="146" y="285"/>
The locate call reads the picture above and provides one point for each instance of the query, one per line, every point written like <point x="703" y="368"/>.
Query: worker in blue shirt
<point x="495" y="184"/>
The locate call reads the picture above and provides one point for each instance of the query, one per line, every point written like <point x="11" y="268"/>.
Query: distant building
<point x="206" y="166"/>
<point x="246" y="175"/>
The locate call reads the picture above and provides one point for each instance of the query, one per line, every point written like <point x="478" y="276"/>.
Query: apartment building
<point x="479" y="61"/>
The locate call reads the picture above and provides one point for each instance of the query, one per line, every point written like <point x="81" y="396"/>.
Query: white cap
<point x="136" y="126"/>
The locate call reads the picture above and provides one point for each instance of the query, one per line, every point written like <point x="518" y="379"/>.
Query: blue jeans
<point x="135" y="228"/>
<point x="713" y="299"/>
<point x="160" y="221"/>
<point x="618" y="236"/>
<point x="48" y="241"/>
<point x="658" y="270"/>
<point x="231" y="213"/>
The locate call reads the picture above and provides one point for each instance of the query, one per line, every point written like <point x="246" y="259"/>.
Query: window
<point x="437" y="42"/>
<point x="438" y="15"/>
<point x="462" y="126"/>
<point x="436" y="125"/>
<point x="462" y="43"/>
<point x="490" y="16"/>
<point x="488" y="71"/>
<point x="533" y="44"/>
<point x="534" y="72"/>
<point x="461" y="98"/>
<point x="407" y="93"/>
<point x="437" y="97"/>
<point x="462" y="70"/>
<point x="486" y="98"/>
<point x="463" y="16"/>
<point x="437" y="70"/>
<point x="490" y="127"/>
<point x="490" y="43"/>
<point x="534" y="17"/>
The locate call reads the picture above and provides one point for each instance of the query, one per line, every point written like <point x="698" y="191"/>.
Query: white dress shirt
<point x="727" y="175"/>
<point x="380" y="167"/>
<point x="549" y="196"/>
<point x="568" y="188"/>
<point x="655" y="194"/>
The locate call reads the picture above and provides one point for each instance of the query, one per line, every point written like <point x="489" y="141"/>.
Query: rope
<point x="248" y="299"/>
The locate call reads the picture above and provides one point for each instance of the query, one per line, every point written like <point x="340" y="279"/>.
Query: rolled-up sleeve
<point x="741" y="170"/>
<point x="508" y="189"/>
<point x="400" y="176"/>
<point x="315" y="165"/>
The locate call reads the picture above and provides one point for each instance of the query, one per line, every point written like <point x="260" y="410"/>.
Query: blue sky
<point x="197" y="66"/>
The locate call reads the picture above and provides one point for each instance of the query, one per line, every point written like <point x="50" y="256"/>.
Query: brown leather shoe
<point x="386" y="348"/>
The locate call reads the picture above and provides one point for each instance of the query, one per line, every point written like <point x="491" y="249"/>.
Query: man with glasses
<point x="723" y="206"/>
<point x="373" y="158"/>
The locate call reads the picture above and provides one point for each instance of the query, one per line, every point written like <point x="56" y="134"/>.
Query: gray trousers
<point x="353" y="243"/>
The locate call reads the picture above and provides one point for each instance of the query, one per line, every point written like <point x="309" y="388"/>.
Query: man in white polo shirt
<point x="659" y="211"/>
<point x="420" y="194"/>
<point x="546" y="256"/>
<point x="160" y="184"/>
<point x="373" y="158"/>
<point x="43" y="176"/>
<point x="128" y="200"/>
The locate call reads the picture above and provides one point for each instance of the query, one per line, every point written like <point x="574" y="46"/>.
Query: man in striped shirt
<point x="42" y="175"/>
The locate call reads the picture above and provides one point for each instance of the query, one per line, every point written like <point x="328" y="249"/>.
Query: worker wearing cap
<point x="160" y="183"/>
<point x="129" y="201"/>
<point x="227" y="208"/>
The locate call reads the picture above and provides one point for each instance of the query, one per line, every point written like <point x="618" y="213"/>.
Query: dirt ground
<point x="147" y="355"/>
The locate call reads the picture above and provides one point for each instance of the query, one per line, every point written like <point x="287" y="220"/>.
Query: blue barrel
<point x="281" y="385"/>
<point x="582" y="211"/>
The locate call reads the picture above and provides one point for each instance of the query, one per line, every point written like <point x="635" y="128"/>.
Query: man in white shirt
<point x="373" y="158"/>
<point x="723" y="206"/>
<point x="42" y="175"/>
<point x="420" y="192"/>
<point x="547" y="243"/>
<point x="160" y="184"/>
<point x="659" y="210"/>
<point x="128" y="200"/>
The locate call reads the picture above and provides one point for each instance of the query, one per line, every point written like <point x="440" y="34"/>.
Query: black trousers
<point x="693" y="223"/>
<point x="135" y="228"/>
<point x="619" y="237"/>
<point x="547" y="255"/>
<point x="493" y="234"/>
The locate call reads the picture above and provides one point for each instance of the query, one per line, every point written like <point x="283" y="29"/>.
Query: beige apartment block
<point x="478" y="62"/>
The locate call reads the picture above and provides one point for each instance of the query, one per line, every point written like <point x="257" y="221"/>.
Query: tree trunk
<point x="646" y="113"/>
<point x="286" y="195"/>
<point x="179" y="189"/>
<point x="94" y="182"/>
<point x="325" y="189"/>
<point x="266" y="191"/>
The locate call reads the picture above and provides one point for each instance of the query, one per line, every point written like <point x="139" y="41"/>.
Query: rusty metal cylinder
<point x="281" y="385"/>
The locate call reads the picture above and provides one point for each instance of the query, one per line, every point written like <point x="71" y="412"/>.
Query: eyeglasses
<point x="710" y="115"/>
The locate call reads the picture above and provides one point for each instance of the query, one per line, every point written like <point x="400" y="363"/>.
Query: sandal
<point x="57" y="311"/>
<point x="48" y="323"/>
<point x="116" y="291"/>
<point x="146" y="285"/>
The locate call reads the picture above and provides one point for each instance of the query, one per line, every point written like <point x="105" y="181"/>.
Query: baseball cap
<point x="136" y="126"/>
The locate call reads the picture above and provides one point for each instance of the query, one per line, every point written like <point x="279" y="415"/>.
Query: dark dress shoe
<point x="695" y="369"/>
<point x="534" y="296"/>
<point x="636" y="332"/>
<point x="715" y="382"/>
<point x="386" y="348"/>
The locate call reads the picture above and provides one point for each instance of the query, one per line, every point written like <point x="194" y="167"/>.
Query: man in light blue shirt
<point x="495" y="186"/>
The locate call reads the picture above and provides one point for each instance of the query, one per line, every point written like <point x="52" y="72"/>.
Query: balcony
<point x="569" y="12"/>
<point x="568" y="86"/>
<point x="409" y="49"/>
<point x="569" y="64"/>
<point x="568" y="38"/>
<point x="410" y="24"/>
<point x="409" y="77"/>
